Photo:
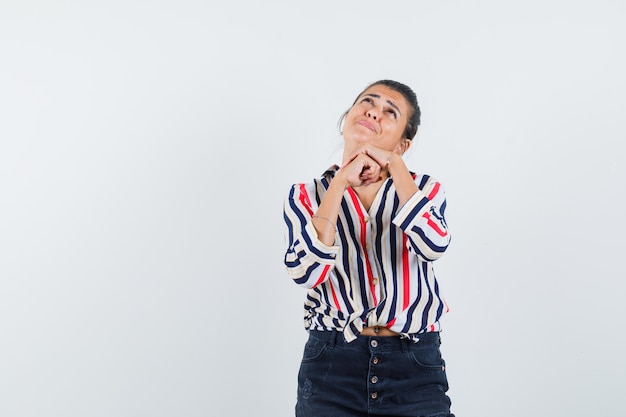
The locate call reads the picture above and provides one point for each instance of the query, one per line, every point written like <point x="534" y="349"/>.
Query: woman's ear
<point x="404" y="145"/>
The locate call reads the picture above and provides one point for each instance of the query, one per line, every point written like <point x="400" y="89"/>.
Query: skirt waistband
<point x="386" y="343"/>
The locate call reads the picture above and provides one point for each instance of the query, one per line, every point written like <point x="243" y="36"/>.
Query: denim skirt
<point x="372" y="376"/>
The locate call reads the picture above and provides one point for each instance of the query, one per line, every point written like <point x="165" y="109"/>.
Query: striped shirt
<point x="380" y="271"/>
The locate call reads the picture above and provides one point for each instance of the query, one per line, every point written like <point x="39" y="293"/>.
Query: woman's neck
<point x="367" y="193"/>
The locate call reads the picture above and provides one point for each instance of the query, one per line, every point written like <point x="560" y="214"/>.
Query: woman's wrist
<point x="392" y="160"/>
<point x="339" y="181"/>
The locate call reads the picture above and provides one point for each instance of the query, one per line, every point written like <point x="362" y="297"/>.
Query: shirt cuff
<point x="412" y="209"/>
<point x="324" y="253"/>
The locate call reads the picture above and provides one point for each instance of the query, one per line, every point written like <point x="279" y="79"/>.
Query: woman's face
<point x="379" y="116"/>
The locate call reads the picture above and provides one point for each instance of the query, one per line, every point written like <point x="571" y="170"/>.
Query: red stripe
<point x="335" y="300"/>
<point x="391" y="322"/>
<point x="406" y="290"/>
<point x="357" y="205"/>
<point x="355" y="200"/>
<point x="434" y="225"/>
<point x="330" y="284"/>
<point x="323" y="276"/>
<point x="304" y="199"/>
<point x="434" y="192"/>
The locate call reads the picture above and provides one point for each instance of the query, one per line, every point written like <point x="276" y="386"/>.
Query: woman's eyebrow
<point x="395" y="107"/>
<point x="388" y="102"/>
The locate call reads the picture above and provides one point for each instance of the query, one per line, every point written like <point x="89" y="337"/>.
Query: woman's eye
<point x="392" y="113"/>
<point x="367" y="100"/>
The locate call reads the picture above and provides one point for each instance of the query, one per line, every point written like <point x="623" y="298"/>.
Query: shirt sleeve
<point x="422" y="220"/>
<point x="307" y="259"/>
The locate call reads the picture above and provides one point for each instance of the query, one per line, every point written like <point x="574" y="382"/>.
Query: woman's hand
<point x="360" y="170"/>
<point x="380" y="156"/>
<point x="382" y="161"/>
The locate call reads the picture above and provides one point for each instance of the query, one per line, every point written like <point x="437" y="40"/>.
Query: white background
<point x="146" y="148"/>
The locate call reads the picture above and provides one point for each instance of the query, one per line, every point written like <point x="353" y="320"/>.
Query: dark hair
<point x="413" y="119"/>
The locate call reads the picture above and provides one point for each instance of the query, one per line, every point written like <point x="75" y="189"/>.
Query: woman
<point x="362" y="239"/>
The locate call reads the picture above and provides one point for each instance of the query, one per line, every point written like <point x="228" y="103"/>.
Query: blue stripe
<point x="378" y="245"/>
<point x="295" y="208"/>
<point x="325" y="299"/>
<point x="430" y="297"/>
<point x="296" y="262"/>
<point x="359" y="261"/>
<point x="290" y="233"/>
<point x="423" y="182"/>
<point x="395" y="239"/>
<point x="441" y="306"/>
<point x="309" y="244"/>
<point x="414" y="212"/>
<point x="346" y="293"/>
<point x="429" y="243"/>
<point x="315" y="301"/>
<point x="414" y="303"/>
<point x="383" y="278"/>
<point x="325" y="185"/>
<point x="307" y="274"/>
<point x="353" y="328"/>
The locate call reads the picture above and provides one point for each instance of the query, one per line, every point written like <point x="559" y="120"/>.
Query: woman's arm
<point x="422" y="218"/>
<point x="402" y="178"/>
<point x="423" y="203"/>
<point x="311" y="232"/>
<point x="307" y="259"/>
<point x="361" y="169"/>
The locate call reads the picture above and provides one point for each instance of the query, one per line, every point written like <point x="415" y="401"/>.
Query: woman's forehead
<point x="393" y="97"/>
<point x="382" y="91"/>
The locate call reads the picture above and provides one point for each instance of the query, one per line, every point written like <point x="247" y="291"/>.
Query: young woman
<point x="362" y="239"/>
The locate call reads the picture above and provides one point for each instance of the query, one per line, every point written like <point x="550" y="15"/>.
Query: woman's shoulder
<point x="420" y="177"/>
<point x="331" y="171"/>
<point x="325" y="177"/>
<point x="426" y="181"/>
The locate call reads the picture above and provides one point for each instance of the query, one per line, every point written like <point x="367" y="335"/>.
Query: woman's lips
<point x="367" y="125"/>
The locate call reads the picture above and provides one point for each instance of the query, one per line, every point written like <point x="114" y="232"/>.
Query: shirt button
<point x="366" y="219"/>
<point x="375" y="281"/>
<point x="374" y="343"/>
<point x="367" y="247"/>
<point x="374" y="395"/>
<point x="375" y="361"/>
<point x="374" y="379"/>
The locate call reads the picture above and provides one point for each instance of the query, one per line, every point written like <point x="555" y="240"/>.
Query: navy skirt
<point x="372" y="376"/>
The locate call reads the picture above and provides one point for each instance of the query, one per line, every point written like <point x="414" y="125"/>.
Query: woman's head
<point x="414" y="114"/>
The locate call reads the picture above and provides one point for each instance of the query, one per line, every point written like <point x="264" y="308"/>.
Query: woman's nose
<point x="372" y="113"/>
